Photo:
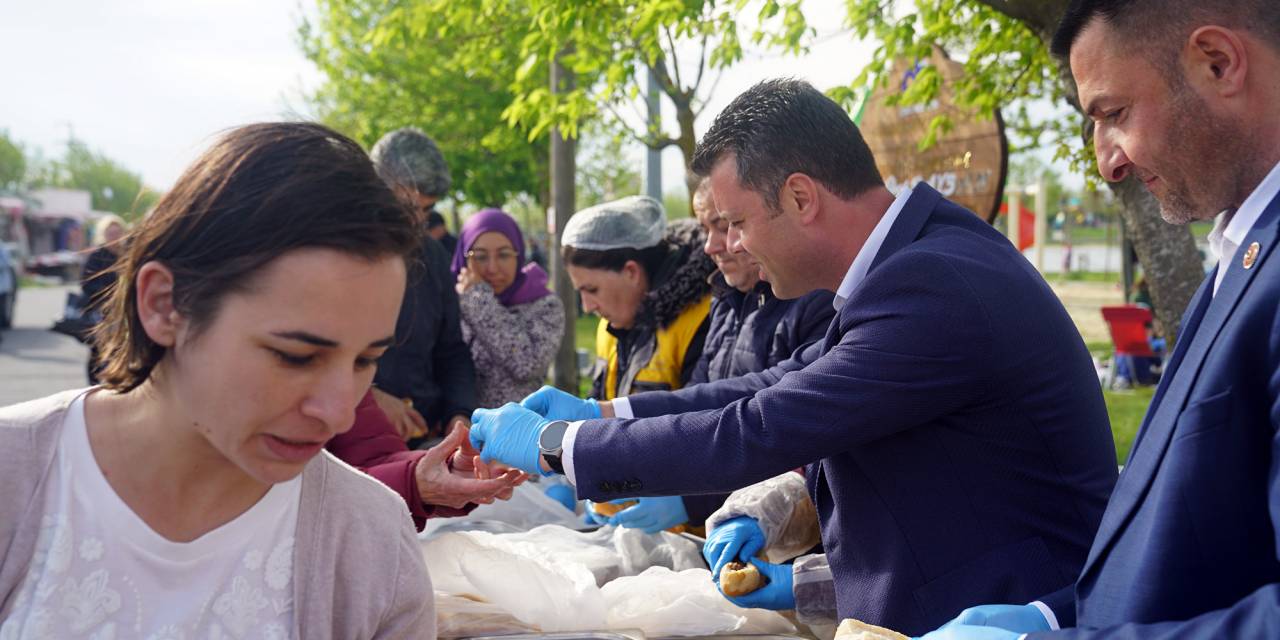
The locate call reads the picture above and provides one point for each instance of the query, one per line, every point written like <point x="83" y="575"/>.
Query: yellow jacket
<point x="657" y="360"/>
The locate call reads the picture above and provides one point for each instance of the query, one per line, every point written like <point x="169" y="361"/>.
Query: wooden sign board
<point x="968" y="164"/>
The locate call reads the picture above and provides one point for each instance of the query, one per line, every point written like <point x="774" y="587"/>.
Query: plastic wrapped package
<point x="782" y="507"/>
<point x="815" y="591"/>
<point x="544" y="588"/>
<point x="528" y="507"/>
<point x="661" y="602"/>
<point x="548" y="579"/>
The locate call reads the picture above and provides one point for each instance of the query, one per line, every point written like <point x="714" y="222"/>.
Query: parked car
<point x="8" y="286"/>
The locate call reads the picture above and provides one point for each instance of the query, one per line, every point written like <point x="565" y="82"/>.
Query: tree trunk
<point x="687" y="142"/>
<point x="1166" y="252"/>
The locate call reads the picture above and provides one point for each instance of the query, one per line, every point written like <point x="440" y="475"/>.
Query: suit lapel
<point x="1210" y="313"/>
<point x="915" y="212"/>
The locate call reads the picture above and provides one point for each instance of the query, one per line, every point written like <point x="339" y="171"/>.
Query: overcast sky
<point x="149" y="82"/>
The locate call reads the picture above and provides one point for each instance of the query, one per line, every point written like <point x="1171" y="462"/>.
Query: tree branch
<point x="675" y="62"/>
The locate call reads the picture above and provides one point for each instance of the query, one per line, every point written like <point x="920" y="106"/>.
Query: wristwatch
<point x="551" y="444"/>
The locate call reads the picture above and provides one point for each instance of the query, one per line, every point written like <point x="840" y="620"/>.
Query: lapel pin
<point x="1250" y="256"/>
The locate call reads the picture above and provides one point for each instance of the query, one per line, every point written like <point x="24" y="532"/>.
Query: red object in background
<point x="1128" y="325"/>
<point x="1026" y="227"/>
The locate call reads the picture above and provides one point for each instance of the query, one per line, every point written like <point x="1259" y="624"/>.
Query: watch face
<point x="552" y="436"/>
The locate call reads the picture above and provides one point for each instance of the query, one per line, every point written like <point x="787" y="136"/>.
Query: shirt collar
<point x="867" y="254"/>
<point x="1232" y="227"/>
<point x="1239" y="225"/>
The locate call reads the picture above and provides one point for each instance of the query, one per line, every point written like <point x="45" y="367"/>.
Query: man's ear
<point x="160" y="319"/>
<point x="800" y="196"/>
<point x="1216" y="60"/>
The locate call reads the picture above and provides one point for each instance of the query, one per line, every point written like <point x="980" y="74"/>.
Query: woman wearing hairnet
<point x="648" y="282"/>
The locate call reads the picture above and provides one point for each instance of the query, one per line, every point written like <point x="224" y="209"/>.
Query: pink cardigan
<point x="358" y="570"/>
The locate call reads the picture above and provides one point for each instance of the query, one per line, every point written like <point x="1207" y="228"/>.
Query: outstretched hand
<point x="463" y="483"/>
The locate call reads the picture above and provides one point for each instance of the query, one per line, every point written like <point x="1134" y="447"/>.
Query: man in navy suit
<point x="1185" y="96"/>
<point x="956" y="442"/>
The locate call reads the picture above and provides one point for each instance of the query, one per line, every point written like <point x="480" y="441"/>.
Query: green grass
<point x="1126" y="409"/>
<point x="1090" y="276"/>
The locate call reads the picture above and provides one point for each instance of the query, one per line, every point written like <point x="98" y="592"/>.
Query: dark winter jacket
<point x="430" y="363"/>
<point x="751" y="332"/>
<point x="675" y="308"/>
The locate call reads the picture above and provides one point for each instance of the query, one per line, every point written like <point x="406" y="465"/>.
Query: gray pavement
<point x="34" y="361"/>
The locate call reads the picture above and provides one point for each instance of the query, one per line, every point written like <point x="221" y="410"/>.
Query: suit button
<point x="634" y="485"/>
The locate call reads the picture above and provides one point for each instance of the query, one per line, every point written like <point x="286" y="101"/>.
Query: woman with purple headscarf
<point x="509" y="317"/>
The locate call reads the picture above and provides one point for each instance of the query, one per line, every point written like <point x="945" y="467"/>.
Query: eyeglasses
<point x="505" y="256"/>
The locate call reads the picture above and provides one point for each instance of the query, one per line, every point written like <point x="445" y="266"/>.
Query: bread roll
<point x="609" y="509"/>
<point x="739" y="579"/>
<point x="851" y="629"/>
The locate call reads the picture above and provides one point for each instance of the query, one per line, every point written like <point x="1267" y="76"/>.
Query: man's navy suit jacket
<point x="957" y="444"/>
<point x="1188" y="547"/>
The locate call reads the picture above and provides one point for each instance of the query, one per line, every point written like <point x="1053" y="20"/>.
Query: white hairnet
<point x="634" y="222"/>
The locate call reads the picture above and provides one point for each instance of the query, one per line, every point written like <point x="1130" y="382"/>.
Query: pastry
<point x="739" y="579"/>
<point x="609" y="509"/>
<point x="851" y="629"/>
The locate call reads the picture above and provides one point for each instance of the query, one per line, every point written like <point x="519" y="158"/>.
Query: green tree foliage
<point x="13" y="162"/>
<point x="1003" y="46"/>
<point x="111" y="186"/>
<point x="604" y="171"/>
<point x="608" y="45"/>
<point x="388" y="66"/>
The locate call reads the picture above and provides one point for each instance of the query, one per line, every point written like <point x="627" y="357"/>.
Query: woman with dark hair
<point x="188" y="495"/>
<point x="648" y="282"/>
<point x="509" y="317"/>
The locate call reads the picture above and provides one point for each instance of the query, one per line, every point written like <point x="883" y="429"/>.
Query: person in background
<point x="751" y="329"/>
<point x="440" y="233"/>
<point x="426" y="382"/>
<point x="189" y="496"/>
<point x="647" y="281"/>
<point x="1183" y="96"/>
<point x="509" y="318"/>
<point x="97" y="278"/>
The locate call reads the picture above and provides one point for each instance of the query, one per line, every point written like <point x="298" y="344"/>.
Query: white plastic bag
<point x="549" y="579"/>
<point x="528" y="507"/>
<point x="661" y="602"/>
<point x="538" y="589"/>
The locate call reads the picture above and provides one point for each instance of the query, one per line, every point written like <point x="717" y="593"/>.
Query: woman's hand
<point x="467" y="279"/>
<point x="465" y="481"/>
<point x="406" y="420"/>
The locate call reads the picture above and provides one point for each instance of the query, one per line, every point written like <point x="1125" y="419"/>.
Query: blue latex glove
<point x="776" y="594"/>
<point x="509" y="435"/>
<point x="564" y="494"/>
<point x="737" y="539"/>
<point x="554" y="404"/>
<point x="1021" y="618"/>
<point x="992" y="622"/>
<point x="970" y="632"/>
<point x="648" y="514"/>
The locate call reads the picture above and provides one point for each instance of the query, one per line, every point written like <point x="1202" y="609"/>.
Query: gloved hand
<point x="510" y="436"/>
<point x="739" y="538"/>
<point x="564" y="494"/>
<point x="1021" y="618"/>
<point x="776" y="594"/>
<point x="554" y="404"/>
<point x="648" y="514"/>
<point x="970" y="632"/>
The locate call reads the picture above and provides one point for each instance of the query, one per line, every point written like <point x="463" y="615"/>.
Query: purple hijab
<point x="531" y="281"/>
